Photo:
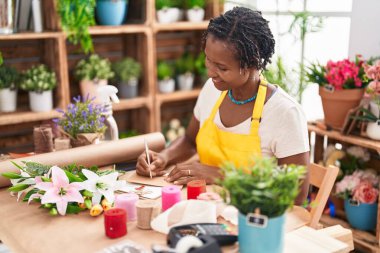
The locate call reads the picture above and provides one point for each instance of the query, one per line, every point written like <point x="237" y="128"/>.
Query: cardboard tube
<point x="98" y="154"/>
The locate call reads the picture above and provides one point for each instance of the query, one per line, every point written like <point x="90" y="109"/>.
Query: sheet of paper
<point x="144" y="191"/>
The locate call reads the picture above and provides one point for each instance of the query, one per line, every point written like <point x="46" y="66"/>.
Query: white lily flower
<point x="102" y="185"/>
<point x="29" y="181"/>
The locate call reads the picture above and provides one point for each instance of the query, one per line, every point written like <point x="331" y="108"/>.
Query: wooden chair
<point x="323" y="178"/>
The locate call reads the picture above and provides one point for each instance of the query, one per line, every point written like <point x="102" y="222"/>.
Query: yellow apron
<point x="215" y="146"/>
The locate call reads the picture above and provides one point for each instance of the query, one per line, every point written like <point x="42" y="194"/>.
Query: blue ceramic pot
<point x="111" y="12"/>
<point x="261" y="240"/>
<point x="363" y="216"/>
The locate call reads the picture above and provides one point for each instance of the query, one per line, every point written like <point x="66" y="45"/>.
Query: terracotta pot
<point x="90" y="88"/>
<point x="336" y="104"/>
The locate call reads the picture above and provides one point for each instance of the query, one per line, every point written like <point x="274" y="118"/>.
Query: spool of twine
<point x="147" y="210"/>
<point x="61" y="143"/>
<point x="43" y="139"/>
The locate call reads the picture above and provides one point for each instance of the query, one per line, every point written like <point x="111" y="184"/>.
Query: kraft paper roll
<point x="100" y="154"/>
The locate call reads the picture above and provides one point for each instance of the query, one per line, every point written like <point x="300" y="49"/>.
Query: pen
<point x="147" y="156"/>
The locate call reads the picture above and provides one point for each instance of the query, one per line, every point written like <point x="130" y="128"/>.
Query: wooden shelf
<point x="132" y="103"/>
<point x="355" y="140"/>
<point x="363" y="240"/>
<point x="24" y="117"/>
<point x="180" y="26"/>
<point x="31" y="36"/>
<point x="103" y="30"/>
<point x="177" y="96"/>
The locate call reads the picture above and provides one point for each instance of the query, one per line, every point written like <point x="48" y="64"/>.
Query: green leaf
<point x="29" y="193"/>
<point x="15" y="164"/>
<point x="11" y="175"/>
<point x="88" y="203"/>
<point x="72" y="177"/>
<point x="73" y="208"/>
<point x="18" y="187"/>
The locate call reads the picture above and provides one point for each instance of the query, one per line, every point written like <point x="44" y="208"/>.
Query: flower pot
<point x="185" y="81"/>
<point x="85" y="139"/>
<point x="166" y="86"/>
<point x="261" y="240"/>
<point x="373" y="130"/>
<point x="195" y="14"/>
<point x="362" y="216"/>
<point x="374" y="108"/>
<point x="168" y="15"/>
<point x="336" y="104"/>
<point x="41" y="102"/>
<point x="8" y="100"/>
<point x="111" y="12"/>
<point x="89" y="88"/>
<point x="128" y="89"/>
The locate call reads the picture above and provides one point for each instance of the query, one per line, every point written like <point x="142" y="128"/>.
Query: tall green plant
<point x="76" y="16"/>
<point x="277" y="74"/>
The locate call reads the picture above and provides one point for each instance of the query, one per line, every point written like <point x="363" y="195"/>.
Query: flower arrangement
<point x="93" y="68"/>
<point x="361" y="186"/>
<point x="339" y="75"/>
<point x="82" y="116"/>
<point x="263" y="185"/>
<point x="38" y="79"/>
<point x="71" y="189"/>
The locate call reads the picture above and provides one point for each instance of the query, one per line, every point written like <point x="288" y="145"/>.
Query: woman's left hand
<point x="186" y="172"/>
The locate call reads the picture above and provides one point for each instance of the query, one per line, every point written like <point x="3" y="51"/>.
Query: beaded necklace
<point x="238" y="102"/>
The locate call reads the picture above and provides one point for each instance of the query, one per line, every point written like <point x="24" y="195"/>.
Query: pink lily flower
<point x="60" y="191"/>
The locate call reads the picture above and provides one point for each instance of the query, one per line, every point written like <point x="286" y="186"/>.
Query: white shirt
<point x="283" y="126"/>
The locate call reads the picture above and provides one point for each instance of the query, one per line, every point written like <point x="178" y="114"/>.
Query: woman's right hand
<point x="157" y="166"/>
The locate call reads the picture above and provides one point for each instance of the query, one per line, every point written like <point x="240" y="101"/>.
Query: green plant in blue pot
<point x="262" y="193"/>
<point x="111" y="12"/>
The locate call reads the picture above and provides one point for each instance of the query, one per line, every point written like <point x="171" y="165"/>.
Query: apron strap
<point x="259" y="105"/>
<point x="217" y="104"/>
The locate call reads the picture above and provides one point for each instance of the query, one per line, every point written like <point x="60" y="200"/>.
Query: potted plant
<point x="40" y="82"/>
<point x="262" y="193"/>
<point x="91" y="73"/>
<point x="111" y="12"/>
<point x="360" y="193"/>
<point x="341" y="88"/>
<point x="76" y="16"/>
<point x="8" y="88"/>
<point x="185" y="71"/>
<point x="200" y="67"/>
<point x="83" y="121"/>
<point x="165" y="72"/>
<point x="127" y="72"/>
<point x="167" y="12"/>
<point x="195" y="10"/>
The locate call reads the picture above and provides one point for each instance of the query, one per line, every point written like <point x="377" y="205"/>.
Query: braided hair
<point x="248" y="32"/>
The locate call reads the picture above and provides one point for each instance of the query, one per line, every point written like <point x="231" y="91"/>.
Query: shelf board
<point x="356" y="140"/>
<point x="180" y="26"/>
<point x="24" y="117"/>
<point x="131" y="103"/>
<point x="30" y="35"/>
<point x="103" y="30"/>
<point x="177" y="96"/>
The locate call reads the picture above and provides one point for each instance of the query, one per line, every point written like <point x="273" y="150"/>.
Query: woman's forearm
<point x="179" y="151"/>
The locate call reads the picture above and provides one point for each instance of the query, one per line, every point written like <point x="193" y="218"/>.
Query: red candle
<point x="195" y="187"/>
<point x="115" y="222"/>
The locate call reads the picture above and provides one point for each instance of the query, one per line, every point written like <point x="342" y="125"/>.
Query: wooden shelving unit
<point x="140" y="37"/>
<point x="365" y="241"/>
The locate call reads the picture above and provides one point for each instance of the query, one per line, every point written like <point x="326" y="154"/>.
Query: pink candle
<point x="170" y="195"/>
<point x="127" y="201"/>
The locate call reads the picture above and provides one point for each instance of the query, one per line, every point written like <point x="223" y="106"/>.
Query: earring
<point x="240" y="71"/>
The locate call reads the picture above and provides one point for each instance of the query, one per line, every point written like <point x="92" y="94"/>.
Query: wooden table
<point x="28" y="229"/>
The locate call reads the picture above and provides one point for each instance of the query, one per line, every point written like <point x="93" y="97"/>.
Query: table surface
<point x="28" y="228"/>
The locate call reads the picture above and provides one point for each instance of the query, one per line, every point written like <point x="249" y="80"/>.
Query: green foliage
<point x="93" y="68"/>
<point x="76" y="16"/>
<point x="185" y="64"/>
<point x="277" y="74"/>
<point x="366" y="116"/>
<point x="128" y="134"/>
<point x="1" y="59"/>
<point x="316" y="74"/>
<point x="126" y="69"/>
<point x="263" y="185"/>
<point x="164" y="70"/>
<point x="38" y="79"/>
<point x="200" y="65"/>
<point x="162" y="4"/>
<point x="9" y="77"/>
<point x="190" y="4"/>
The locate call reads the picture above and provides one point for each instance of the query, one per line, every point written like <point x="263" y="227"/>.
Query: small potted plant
<point x="127" y="73"/>
<point x="91" y="73"/>
<point x="111" y="12"/>
<point x="200" y="67"/>
<point x="185" y="71"/>
<point x="83" y="121"/>
<point x="8" y="88"/>
<point x="167" y="11"/>
<point x="195" y="10"/>
<point x="40" y="82"/>
<point x="360" y="193"/>
<point x="165" y="73"/>
<point x="262" y="193"/>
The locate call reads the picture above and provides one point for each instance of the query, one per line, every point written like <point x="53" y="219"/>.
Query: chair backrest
<point x="323" y="178"/>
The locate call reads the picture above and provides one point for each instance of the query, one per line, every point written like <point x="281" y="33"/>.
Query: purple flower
<point x="56" y="121"/>
<point x="84" y="114"/>
<point x="77" y="99"/>
<point x="60" y="110"/>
